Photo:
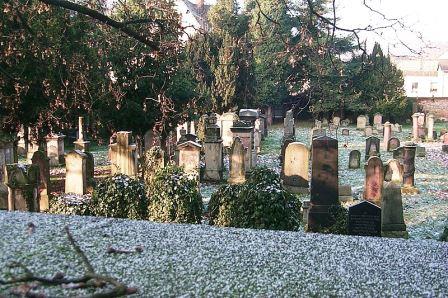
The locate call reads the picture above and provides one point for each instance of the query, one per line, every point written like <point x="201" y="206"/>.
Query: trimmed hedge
<point x="260" y="203"/>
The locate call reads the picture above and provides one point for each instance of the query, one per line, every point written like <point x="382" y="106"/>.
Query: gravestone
<point x="90" y="168"/>
<point x="289" y="131"/>
<point x="336" y="121"/>
<point x="81" y="142"/>
<point x="324" y="182"/>
<point x="283" y="150"/>
<point x="345" y="132"/>
<point x="345" y="122"/>
<point x="377" y="120"/>
<point x="305" y="211"/>
<point x="244" y="130"/>
<point x="190" y="157"/>
<point x="23" y="183"/>
<point x="324" y="122"/>
<point x="354" y="159"/>
<point x="409" y="168"/>
<point x="226" y="123"/>
<point x="76" y="172"/>
<point x="398" y="154"/>
<point x="41" y="160"/>
<point x="364" y="219"/>
<point x="368" y="131"/>
<point x="154" y="159"/>
<point x="6" y="157"/>
<point x="397" y="128"/>
<point x="430" y="127"/>
<point x="345" y="194"/>
<point x="21" y="145"/>
<point x="387" y="135"/>
<point x="373" y="185"/>
<point x="295" y="168"/>
<point x="393" y="144"/>
<point x="392" y="220"/>
<point x="420" y="151"/>
<point x="237" y="168"/>
<point x="213" y="150"/>
<point x="393" y="171"/>
<point x="372" y="147"/>
<point x="445" y="142"/>
<point x="415" y="137"/>
<point x="317" y="123"/>
<point x="123" y="155"/>
<point x="361" y="122"/>
<point x="55" y="149"/>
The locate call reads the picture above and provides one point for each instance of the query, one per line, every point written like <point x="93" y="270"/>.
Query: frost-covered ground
<point x="199" y="260"/>
<point x="426" y="214"/>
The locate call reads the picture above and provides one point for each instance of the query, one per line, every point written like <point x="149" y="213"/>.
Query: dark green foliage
<point x="174" y="197"/>
<point x="71" y="205"/>
<point x="444" y="235"/>
<point x="120" y="196"/>
<point x="339" y="217"/>
<point x="260" y="203"/>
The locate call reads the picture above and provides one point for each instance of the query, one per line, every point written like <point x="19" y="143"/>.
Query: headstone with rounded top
<point x="393" y="144"/>
<point x="372" y="147"/>
<point x="345" y="132"/>
<point x="373" y="185"/>
<point x="295" y="168"/>
<point x="237" y="172"/>
<point x="354" y="159"/>
<point x="393" y="171"/>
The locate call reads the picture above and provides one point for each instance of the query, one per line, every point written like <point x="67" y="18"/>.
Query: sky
<point x="429" y="17"/>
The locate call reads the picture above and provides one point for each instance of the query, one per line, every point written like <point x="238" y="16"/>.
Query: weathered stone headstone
<point x="81" y="143"/>
<point x="154" y="159"/>
<point x="420" y="151"/>
<point x="123" y="155"/>
<point x="345" y="132"/>
<point x="190" y="157"/>
<point x="415" y="137"/>
<point x="283" y="150"/>
<point x="324" y="182"/>
<point x="361" y="122"/>
<point x="387" y="135"/>
<point x="345" y="122"/>
<point x="325" y="122"/>
<point x="373" y="186"/>
<point x="289" y="131"/>
<point x="364" y="219"/>
<point x="41" y="160"/>
<point x="76" y="172"/>
<point x="354" y="159"/>
<point x="23" y="183"/>
<point x="392" y="220"/>
<point x="409" y="168"/>
<point x="445" y="142"/>
<point x="295" y="168"/>
<point x="90" y="168"/>
<point x="244" y="130"/>
<point x="398" y="154"/>
<point x="336" y="121"/>
<point x="368" y="131"/>
<point x="372" y="147"/>
<point x="317" y="123"/>
<point x="55" y="149"/>
<point x="237" y="170"/>
<point x="226" y="121"/>
<point x="213" y="150"/>
<point x="21" y="145"/>
<point x="345" y="194"/>
<point x="393" y="144"/>
<point x="377" y="120"/>
<point x="393" y="171"/>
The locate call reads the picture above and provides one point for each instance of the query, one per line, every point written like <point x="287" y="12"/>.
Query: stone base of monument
<point x="395" y="234"/>
<point x="445" y="148"/>
<point x="319" y="217"/>
<point x="409" y="190"/>
<point x="3" y="196"/>
<point x="297" y="189"/>
<point x="238" y="180"/>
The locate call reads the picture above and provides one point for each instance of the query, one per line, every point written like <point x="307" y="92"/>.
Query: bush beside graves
<point x="174" y="197"/>
<point x="120" y="196"/>
<point x="71" y="204"/>
<point x="260" y="203"/>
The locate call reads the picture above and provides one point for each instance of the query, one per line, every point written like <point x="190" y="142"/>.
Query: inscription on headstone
<point x="364" y="219"/>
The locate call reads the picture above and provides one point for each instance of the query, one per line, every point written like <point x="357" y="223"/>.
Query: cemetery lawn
<point x="200" y="260"/>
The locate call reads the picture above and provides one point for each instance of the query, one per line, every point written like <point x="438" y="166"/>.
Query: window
<point x="414" y="86"/>
<point x="433" y="88"/>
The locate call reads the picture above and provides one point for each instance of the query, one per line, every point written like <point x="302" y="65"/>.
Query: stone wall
<point x="436" y="106"/>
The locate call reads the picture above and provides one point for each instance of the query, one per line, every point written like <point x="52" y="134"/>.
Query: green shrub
<point x="444" y="235"/>
<point x="174" y="197"/>
<point x="339" y="218"/>
<point x="71" y="204"/>
<point x="260" y="203"/>
<point x="120" y="196"/>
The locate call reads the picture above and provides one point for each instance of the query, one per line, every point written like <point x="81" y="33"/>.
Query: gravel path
<point x="198" y="260"/>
